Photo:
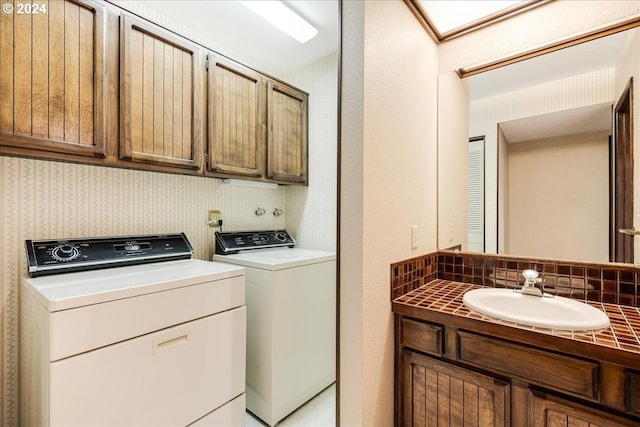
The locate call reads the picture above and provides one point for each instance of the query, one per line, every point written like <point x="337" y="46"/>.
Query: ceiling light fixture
<point x="288" y="21"/>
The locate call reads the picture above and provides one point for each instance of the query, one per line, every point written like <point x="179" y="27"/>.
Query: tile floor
<point x="318" y="412"/>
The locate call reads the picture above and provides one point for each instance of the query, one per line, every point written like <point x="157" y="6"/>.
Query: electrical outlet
<point x="214" y="218"/>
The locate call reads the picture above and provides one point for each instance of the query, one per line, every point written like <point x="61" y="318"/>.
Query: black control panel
<point x="232" y="242"/>
<point x="66" y="255"/>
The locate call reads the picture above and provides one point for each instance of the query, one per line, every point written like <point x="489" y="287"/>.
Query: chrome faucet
<point x="531" y="279"/>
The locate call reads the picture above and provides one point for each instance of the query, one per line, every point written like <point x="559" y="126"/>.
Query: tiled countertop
<point x="445" y="296"/>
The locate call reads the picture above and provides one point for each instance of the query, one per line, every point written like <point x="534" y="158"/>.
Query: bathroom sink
<point x="552" y="313"/>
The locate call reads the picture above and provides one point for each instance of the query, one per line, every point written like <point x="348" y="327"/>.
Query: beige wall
<point x="388" y="184"/>
<point x="503" y="193"/>
<point x="453" y="152"/>
<point x="558" y="203"/>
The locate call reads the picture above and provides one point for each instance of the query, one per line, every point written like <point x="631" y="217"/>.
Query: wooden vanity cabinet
<point x="547" y="410"/>
<point x="161" y="113"/>
<point x="52" y="79"/>
<point x="447" y="375"/>
<point x="440" y="394"/>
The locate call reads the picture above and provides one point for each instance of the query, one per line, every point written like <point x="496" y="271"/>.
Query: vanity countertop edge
<point x="440" y="302"/>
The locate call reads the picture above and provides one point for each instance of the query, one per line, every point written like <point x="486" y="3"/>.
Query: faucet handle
<point x="531" y="277"/>
<point x="530" y="274"/>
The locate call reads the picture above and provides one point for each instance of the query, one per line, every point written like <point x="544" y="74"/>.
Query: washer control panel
<point x="233" y="242"/>
<point x="66" y="255"/>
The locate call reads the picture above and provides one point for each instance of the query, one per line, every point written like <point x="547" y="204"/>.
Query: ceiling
<point x="252" y="39"/>
<point x="593" y="118"/>
<point x="590" y="56"/>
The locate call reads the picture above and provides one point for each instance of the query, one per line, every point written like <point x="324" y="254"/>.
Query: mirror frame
<point x="616" y="28"/>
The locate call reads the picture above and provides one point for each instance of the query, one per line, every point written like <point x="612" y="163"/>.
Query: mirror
<point x="539" y="175"/>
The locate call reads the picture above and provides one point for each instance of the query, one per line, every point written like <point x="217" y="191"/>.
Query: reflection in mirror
<point x="547" y="126"/>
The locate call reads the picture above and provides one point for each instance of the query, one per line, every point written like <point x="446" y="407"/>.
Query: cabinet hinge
<point x="206" y="64"/>
<point x="206" y="158"/>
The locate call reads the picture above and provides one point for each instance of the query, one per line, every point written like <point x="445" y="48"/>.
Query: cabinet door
<point x="52" y="77"/>
<point x="235" y="123"/>
<point x="287" y="140"/>
<point x="161" y="96"/>
<point x="437" y="394"/>
<point x="550" y="411"/>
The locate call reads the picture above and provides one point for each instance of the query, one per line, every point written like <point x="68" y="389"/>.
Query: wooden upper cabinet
<point x="235" y="119"/>
<point x="287" y="141"/>
<point x="52" y="78"/>
<point x="161" y="96"/>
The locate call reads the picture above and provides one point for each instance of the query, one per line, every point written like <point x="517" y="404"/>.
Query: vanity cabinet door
<point x="550" y="411"/>
<point x="235" y="119"/>
<point x="52" y="78"/>
<point x="161" y="97"/>
<point x="438" y="394"/>
<point x="287" y="140"/>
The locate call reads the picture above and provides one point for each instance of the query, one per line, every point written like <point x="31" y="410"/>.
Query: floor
<point x="318" y="412"/>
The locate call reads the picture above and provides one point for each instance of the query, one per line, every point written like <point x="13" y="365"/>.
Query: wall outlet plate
<point x="213" y="218"/>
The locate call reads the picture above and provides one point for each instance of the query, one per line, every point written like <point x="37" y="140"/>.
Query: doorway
<point x="622" y="203"/>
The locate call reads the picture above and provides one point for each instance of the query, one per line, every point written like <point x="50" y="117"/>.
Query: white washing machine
<point x="291" y="319"/>
<point x="158" y="343"/>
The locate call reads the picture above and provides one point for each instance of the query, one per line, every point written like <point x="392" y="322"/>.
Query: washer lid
<point x="278" y="258"/>
<point x="71" y="290"/>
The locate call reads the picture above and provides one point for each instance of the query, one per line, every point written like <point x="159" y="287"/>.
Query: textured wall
<point x="44" y="199"/>
<point x="312" y="211"/>
<point x="558" y="189"/>
<point x="388" y="184"/>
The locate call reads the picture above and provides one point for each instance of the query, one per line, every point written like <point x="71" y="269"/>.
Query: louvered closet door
<point x="52" y="86"/>
<point x="475" y="192"/>
<point x="234" y="119"/>
<point x="287" y="134"/>
<point x="161" y="97"/>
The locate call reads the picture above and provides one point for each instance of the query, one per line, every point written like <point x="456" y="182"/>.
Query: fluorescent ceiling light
<point x="284" y="18"/>
<point x="450" y="15"/>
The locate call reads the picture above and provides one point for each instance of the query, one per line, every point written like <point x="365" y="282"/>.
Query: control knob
<point x="65" y="253"/>
<point x="281" y="237"/>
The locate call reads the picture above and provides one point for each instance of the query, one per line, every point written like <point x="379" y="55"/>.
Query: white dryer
<point x="291" y="319"/>
<point x="161" y="343"/>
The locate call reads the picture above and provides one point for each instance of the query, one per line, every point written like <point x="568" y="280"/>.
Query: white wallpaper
<point x="45" y="199"/>
<point x="484" y="115"/>
<point x="312" y="211"/>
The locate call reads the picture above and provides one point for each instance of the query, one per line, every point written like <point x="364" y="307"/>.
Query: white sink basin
<point x="551" y="313"/>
